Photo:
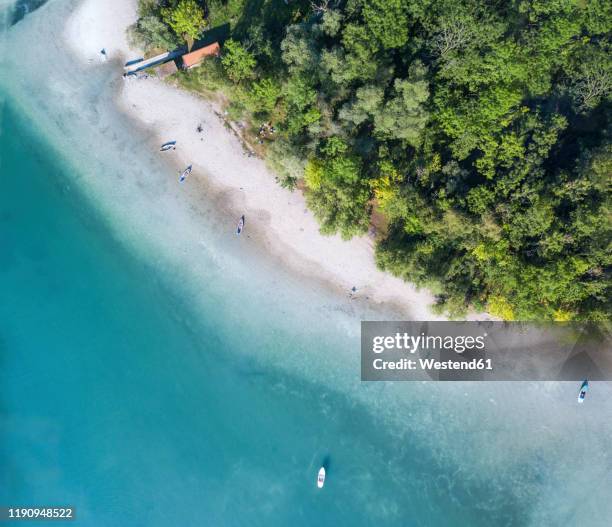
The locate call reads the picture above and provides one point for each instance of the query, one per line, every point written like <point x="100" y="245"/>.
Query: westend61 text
<point x="432" y="364"/>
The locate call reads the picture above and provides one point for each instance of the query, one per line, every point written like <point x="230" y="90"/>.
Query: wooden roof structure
<point x="195" y="57"/>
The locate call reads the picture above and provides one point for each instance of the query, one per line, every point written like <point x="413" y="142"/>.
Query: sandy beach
<point x="280" y="217"/>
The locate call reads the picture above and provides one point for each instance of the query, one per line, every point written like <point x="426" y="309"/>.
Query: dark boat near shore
<point x="584" y="388"/>
<point x="170" y="145"/>
<point x="240" y="226"/>
<point x="185" y="173"/>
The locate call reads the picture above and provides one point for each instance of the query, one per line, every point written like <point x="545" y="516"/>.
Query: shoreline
<point x="278" y="219"/>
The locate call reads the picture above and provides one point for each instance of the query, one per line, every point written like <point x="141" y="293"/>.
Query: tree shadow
<point x="216" y="34"/>
<point x="22" y="8"/>
<point x="271" y="17"/>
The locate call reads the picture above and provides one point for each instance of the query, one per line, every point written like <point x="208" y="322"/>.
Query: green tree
<point x="263" y="95"/>
<point x="591" y="78"/>
<point x="405" y="116"/>
<point x="367" y="103"/>
<point x="238" y="63"/>
<point x="301" y="100"/>
<point x="336" y="191"/>
<point x="150" y="32"/>
<point x="387" y="20"/>
<point x="186" y="19"/>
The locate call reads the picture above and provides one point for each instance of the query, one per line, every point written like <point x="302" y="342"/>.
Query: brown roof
<point x="195" y="57"/>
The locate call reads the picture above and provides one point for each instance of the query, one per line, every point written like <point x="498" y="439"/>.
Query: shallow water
<point x="114" y="403"/>
<point x="157" y="370"/>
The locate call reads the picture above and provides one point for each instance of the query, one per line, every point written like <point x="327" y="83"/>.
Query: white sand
<point x="290" y="228"/>
<point x="291" y="232"/>
<point x="101" y="24"/>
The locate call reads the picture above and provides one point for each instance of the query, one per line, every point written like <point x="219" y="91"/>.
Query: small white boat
<point x="170" y="145"/>
<point x="185" y="173"/>
<point x="584" y="388"/>
<point x="240" y="226"/>
<point x="321" y="478"/>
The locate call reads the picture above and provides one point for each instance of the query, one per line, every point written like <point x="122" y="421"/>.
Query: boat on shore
<point x="584" y="388"/>
<point x="170" y="145"/>
<point x="185" y="173"/>
<point x="321" y="478"/>
<point x="240" y="226"/>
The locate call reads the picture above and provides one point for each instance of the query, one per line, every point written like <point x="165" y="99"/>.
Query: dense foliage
<point x="478" y="131"/>
<point x="186" y="18"/>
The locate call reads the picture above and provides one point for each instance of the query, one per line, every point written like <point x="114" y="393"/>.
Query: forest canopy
<point x="474" y="136"/>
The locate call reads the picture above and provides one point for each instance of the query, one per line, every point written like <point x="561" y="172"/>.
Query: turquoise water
<point x="112" y="404"/>
<point x="155" y="370"/>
